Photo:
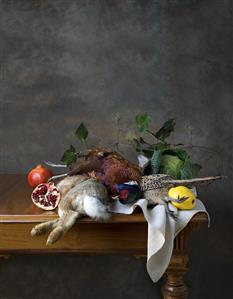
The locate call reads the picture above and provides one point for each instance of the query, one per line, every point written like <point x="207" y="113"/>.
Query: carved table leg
<point x="174" y="287"/>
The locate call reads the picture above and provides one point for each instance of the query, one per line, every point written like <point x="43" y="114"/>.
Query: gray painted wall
<point x="63" y="62"/>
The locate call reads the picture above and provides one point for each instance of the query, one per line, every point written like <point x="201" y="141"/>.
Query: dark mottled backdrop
<point x="63" y="62"/>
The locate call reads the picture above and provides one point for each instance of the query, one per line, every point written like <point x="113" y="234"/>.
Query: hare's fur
<point x="80" y="196"/>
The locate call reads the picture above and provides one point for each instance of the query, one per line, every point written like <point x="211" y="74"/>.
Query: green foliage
<point x="165" y="130"/>
<point x="143" y="121"/>
<point x="189" y="170"/>
<point x="179" y="152"/>
<point x="69" y="157"/>
<point x="82" y="132"/>
<point x="155" y="161"/>
<point x="164" y="157"/>
<point x="171" y="165"/>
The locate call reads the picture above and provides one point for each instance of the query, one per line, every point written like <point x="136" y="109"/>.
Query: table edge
<point x="200" y="217"/>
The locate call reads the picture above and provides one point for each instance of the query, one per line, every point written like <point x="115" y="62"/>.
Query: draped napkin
<point x="162" y="229"/>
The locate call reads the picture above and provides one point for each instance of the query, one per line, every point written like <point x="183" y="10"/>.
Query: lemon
<point x="182" y="191"/>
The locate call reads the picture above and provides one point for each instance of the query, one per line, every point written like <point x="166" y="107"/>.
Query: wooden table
<point x="123" y="234"/>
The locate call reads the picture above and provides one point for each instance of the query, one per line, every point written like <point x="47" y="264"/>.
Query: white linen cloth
<point x="162" y="229"/>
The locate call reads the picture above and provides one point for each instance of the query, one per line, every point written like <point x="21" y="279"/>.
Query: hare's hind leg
<point x="65" y="223"/>
<point x="43" y="228"/>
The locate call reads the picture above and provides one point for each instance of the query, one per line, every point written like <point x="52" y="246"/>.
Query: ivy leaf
<point x="189" y="170"/>
<point x="165" y="130"/>
<point x="69" y="157"/>
<point x="155" y="161"/>
<point x="82" y="132"/>
<point x="143" y="121"/>
<point x="171" y="165"/>
<point x="179" y="152"/>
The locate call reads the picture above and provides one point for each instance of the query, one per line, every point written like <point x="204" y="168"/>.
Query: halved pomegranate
<point x="46" y="196"/>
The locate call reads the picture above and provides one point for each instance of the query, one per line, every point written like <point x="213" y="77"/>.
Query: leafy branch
<point x="71" y="154"/>
<point x="167" y="158"/>
<point x="164" y="157"/>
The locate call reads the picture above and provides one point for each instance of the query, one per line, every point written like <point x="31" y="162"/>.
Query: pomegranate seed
<point x="53" y="198"/>
<point x="42" y="190"/>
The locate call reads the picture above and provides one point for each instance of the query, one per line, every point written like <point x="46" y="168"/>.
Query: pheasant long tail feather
<point x="196" y="181"/>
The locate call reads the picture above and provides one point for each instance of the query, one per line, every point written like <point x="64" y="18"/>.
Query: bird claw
<point x="171" y="212"/>
<point x="178" y="200"/>
<point x="181" y="199"/>
<point x="173" y="215"/>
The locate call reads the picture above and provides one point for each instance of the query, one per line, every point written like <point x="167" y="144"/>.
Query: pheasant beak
<point x="100" y="154"/>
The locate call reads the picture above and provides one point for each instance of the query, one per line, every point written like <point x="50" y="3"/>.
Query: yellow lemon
<point x="180" y="192"/>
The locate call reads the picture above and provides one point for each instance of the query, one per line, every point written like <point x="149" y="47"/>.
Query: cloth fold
<point x="162" y="229"/>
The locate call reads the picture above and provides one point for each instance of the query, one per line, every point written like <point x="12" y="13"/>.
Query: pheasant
<point x="155" y="188"/>
<point x="107" y="166"/>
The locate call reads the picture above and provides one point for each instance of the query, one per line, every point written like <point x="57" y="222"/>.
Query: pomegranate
<point x="38" y="175"/>
<point x="46" y="196"/>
